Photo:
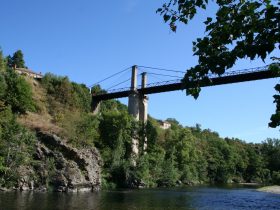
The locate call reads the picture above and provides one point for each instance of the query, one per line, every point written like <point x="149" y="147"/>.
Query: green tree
<point x="276" y="177"/>
<point x="96" y="89"/>
<point x="17" y="145"/>
<point x="81" y="97"/>
<point x="255" y="164"/>
<point x="18" y="94"/>
<point x="17" y="60"/>
<point x="240" y="159"/>
<point x="80" y="128"/>
<point x="3" y="86"/>
<point x="191" y="163"/>
<point x="170" y="174"/>
<point x="236" y="32"/>
<point x="152" y="133"/>
<point x="9" y="61"/>
<point x="217" y="156"/>
<point x="271" y="152"/>
<point x="60" y="95"/>
<point x="6" y="117"/>
<point x="2" y="62"/>
<point x="115" y="145"/>
<point x="275" y="118"/>
<point x="70" y="94"/>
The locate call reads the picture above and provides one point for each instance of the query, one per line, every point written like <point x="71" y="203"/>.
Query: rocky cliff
<point x="60" y="167"/>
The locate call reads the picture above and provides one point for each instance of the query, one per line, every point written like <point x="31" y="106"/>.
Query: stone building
<point x="29" y="73"/>
<point x="164" y="124"/>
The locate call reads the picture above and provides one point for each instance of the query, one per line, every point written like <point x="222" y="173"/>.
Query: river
<point x="147" y="199"/>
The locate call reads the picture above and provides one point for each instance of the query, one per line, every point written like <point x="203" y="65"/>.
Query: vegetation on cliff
<point x="177" y="155"/>
<point x="51" y="106"/>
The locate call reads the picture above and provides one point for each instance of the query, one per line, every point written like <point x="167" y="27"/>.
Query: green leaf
<point x="166" y="17"/>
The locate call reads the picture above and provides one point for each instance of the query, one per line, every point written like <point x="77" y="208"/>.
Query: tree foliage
<point x="270" y="149"/>
<point x="275" y="118"/>
<point x="2" y="62"/>
<point x="79" y="128"/>
<point x="15" y="92"/>
<point x="3" y="85"/>
<point x="18" y="93"/>
<point x="17" y="145"/>
<point x="17" y="60"/>
<point x="14" y="89"/>
<point x="181" y="155"/>
<point x="241" y="29"/>
<point x="115" y="145"/>
<point x="73" y="95"/>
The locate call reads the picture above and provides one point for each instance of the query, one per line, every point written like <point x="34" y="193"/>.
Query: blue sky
<point x="88" y="40"/>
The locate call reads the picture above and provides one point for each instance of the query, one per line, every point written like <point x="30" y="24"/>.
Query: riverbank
<point x="270" y="189"/>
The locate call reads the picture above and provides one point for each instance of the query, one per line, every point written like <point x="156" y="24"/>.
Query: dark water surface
<point x="177" y="198"/>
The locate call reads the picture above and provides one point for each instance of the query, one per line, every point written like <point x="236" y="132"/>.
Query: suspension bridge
<point x="176" y="84"/>
<point x="137" y="94"/>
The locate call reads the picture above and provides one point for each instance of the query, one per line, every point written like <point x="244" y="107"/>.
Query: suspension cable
<point x="122" y="82"/>
<point x="109" y="77"/>
<point x="165" y="75"/>
<point x="118" y="84"/>
<point x="161" y="69"/>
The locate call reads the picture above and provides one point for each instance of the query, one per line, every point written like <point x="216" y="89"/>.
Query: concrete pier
<point x="133" y="109"/>
<point x="133" y="98"/>
<point x="143" y="110"/>
<point x="143" y="101"/>
<point x="95" y="106"/>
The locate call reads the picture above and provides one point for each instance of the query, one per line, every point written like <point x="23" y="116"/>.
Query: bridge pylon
<point x="143" y="101"/>
<point x="143" y="109"/>
<point x="133" y="109"/>
<point x="133" y="98"/>
<point x="138" y="107"/>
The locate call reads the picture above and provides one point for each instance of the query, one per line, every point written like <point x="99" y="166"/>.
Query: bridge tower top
<point x="144" y="80"/>
<point x="134" y="78"/>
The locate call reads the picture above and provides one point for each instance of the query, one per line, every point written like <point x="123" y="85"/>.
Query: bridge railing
<point x="168" y="82"/>
<point x="239" y="72"/>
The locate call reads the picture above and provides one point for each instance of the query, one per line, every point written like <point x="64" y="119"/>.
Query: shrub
<point x="17" y="145"/>
<point x="80" y="129"/>
<point x="18" y="93"/>
<point x="276" y="177"/>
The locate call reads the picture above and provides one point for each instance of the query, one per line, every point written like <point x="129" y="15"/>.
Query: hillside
<point x="49" y="139"/>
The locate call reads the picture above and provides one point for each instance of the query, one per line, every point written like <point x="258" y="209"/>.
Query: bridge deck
<point x="229" y="79"/>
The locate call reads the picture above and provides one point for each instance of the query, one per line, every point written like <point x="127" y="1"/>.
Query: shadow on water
<point x="146" y="199"/>
<point x="202" y="197"/>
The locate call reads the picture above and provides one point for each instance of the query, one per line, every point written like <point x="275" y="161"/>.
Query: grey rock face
<point x="26" y="181"/>
<point x="62" y="167"/>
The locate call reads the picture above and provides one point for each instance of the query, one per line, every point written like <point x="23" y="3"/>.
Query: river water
<point x="148" y="199"/>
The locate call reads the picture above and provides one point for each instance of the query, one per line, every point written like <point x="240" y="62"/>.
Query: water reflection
<point x="184" y="198"/>
<point x="145" y="199"/>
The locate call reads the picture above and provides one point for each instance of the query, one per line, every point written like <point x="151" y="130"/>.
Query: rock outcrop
<point x="60" y="167"/>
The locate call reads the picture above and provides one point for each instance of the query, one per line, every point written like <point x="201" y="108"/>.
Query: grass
<point x="38" y="121"/>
